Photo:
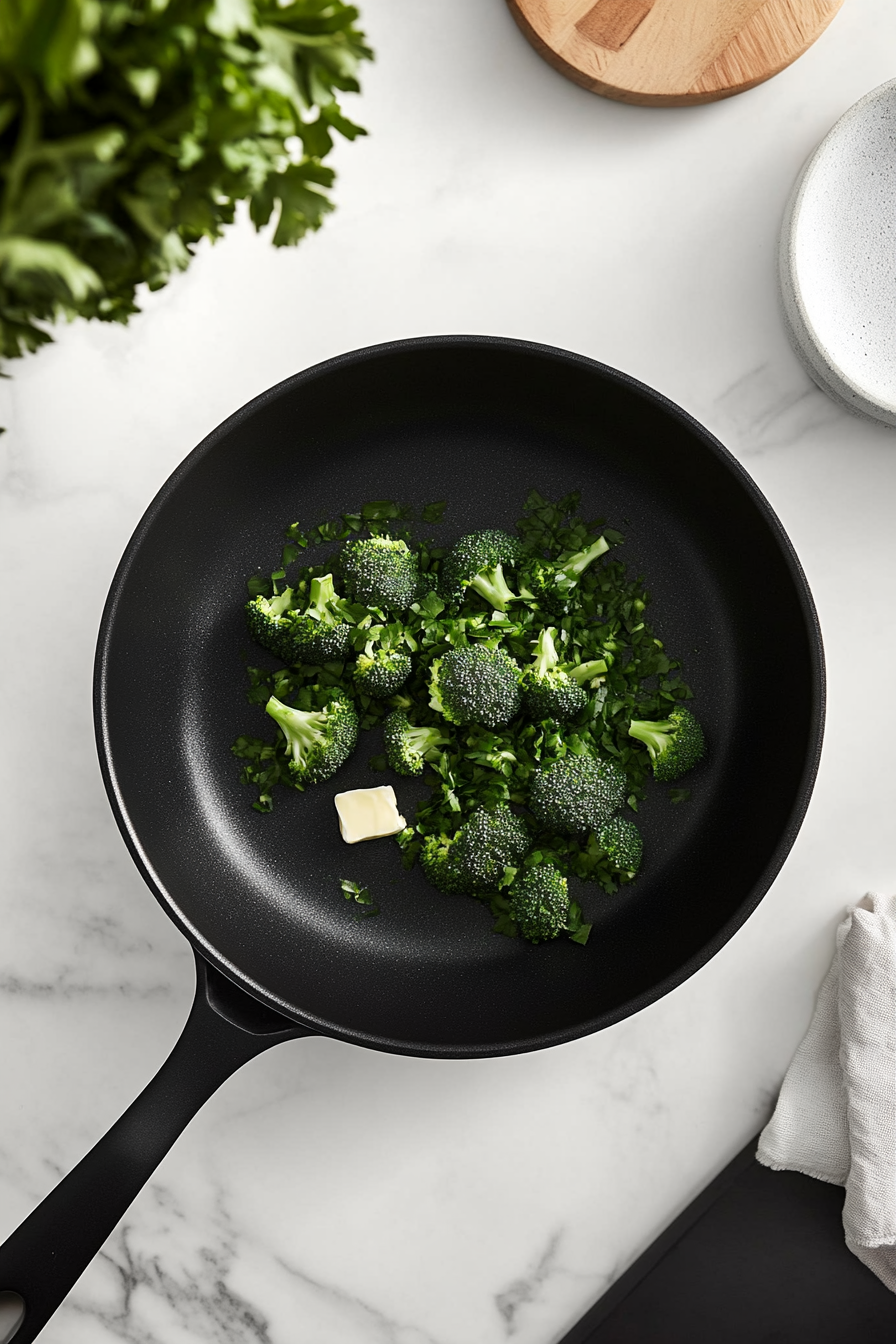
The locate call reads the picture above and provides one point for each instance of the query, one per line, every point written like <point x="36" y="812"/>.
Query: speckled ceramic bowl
<point x="838" y="259"/>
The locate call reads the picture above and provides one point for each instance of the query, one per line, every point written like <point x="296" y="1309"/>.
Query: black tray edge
<point x="583" y="1330"/>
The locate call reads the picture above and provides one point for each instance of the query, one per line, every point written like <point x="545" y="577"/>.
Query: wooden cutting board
<point x="671" y="52"/>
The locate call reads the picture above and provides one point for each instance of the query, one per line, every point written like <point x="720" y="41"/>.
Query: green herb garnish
<point x="361" y="896"/>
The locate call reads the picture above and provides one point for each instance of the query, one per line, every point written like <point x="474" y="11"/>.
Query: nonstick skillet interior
<point x="477" y="422"/>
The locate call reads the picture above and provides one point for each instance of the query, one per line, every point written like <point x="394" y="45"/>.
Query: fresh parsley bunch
<point x="130" y="129"/>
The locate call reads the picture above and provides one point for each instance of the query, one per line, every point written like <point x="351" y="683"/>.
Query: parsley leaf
<point x="129" y="132"/>
<point x="361" y="896"/>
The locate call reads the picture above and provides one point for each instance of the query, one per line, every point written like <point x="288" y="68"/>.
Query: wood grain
<point x="611" y="22"/>
<point x="671" y="52"/>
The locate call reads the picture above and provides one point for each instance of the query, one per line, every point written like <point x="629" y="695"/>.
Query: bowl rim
<point x="804" y="337"/>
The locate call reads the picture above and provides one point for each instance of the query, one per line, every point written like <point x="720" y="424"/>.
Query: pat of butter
<point x="368" y="814"/>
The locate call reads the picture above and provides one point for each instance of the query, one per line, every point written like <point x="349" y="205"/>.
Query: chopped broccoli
<point x="477" y="561"/>
<point x="571" y="567"/>
<point x="407" y="747"/>
<point x="621" y="841"/>
<point x="381" y="572"/>
<point x="583" y="672"/>
<point x="576" y="794"/>
<point x="535" y="659"/>
<point x="551" y="691"/>
<point x="491" y="840"/>
<point x="475" y="685"/>
<point x="438" y="866"/>
<point x="317" y="740"/>
<point x="381" y="672"/>
<point x="539" y="902"/>
<point x="320" y="634"/>
<point x="675" y="744"/>
<point x="552" y="584"/>
<point x="270" y="625"/>
<point x="538" y="582"/>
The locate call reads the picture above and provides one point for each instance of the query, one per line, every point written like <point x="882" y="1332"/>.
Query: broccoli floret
<point x="675" y="744"/>
<point x="475" y="685"/>
<point x="576" y="794"/>
<point x="407" y="747"/>
<point x="622" y="843"/>
<point x="270" y="623"/>
<point x="438" y="866"/>
<point x="381" y="672"/>
<point x="320" y="634"/>
<point x="490" y="841"/>
<point x="551" y="583"/>
<point x="551" y="691"/>
<point x="317" y="740"/>
<point x="477" y="561"/>
<point x="317" y="634"/>
<point x="381" y="572"/>
<point x="539" y="902"/>
<point x="474" y="858"/>
<point x="538" y="583"/>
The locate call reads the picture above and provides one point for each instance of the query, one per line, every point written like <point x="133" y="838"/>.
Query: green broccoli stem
<point x="575" y="565"/>
<point x="422" y="740"/>
<point x="301" y="727"/>
<point x="546" y="655"/>
<point x="654" y="734"/>
<point x="280" y="603"/>
<point x="586" y="671"/>
<point x="435" y="690"/>
<point x="491" y="584"/>
<point x="322" y="599"/>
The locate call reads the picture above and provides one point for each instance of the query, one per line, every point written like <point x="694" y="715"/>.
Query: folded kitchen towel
<point x="836" y="1114"/>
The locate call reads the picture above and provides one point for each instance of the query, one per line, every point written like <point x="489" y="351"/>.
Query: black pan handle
<point x="44" y="1258"/>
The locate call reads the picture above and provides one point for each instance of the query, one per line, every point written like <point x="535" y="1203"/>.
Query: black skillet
<point x="478" y="422"/>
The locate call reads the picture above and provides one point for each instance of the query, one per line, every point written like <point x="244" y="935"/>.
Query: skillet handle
<point x="47" y="1254"/>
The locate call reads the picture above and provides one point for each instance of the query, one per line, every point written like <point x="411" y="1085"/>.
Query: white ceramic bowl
<point x="837" y="258"/>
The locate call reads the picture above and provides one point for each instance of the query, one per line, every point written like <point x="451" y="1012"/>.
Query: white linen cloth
<point x="836" y="1113"/>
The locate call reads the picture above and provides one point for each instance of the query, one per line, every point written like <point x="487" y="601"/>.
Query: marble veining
<point x="327" y="1194"/>
<point x="773" y="408"/>
<point x="360" y="1315"/>
<point x="65" y="987"/>
<point x="196" y="1299"/>
<point x="517" y="1295"/>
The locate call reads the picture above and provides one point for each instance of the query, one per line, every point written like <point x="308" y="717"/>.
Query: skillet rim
<point x="760" y="888"/>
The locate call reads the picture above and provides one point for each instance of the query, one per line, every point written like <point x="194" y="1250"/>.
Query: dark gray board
<point x="758" y="1258"/>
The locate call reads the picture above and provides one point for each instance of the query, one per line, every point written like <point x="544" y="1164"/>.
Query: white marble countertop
<point x="328" y="1193"/>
